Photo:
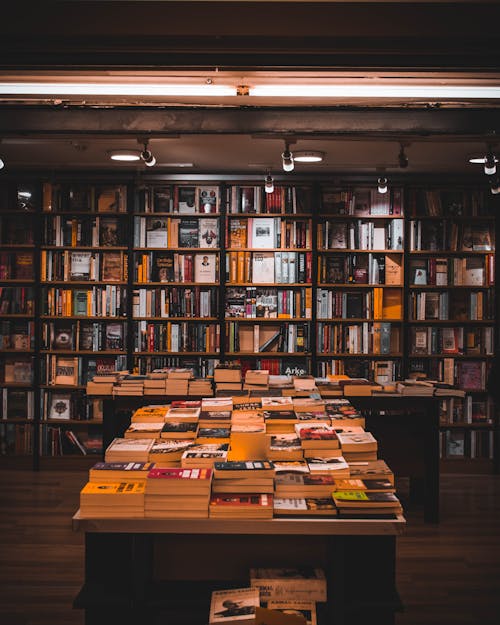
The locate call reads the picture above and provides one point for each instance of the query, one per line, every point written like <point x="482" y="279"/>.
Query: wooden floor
<point x="448" y="574"/>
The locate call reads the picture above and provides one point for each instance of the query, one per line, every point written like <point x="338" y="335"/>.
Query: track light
<point x="382" y="185"/>
<point x="269" y="185"/>
<point x="147" y="156"/>
<point x="2" y="164"/>
<point x="402" y="158"/>
<point x="490" y="164"/>
<point x="489" y="160"/>
<point x="287" y="158"/>
<point x="495" y="185"/>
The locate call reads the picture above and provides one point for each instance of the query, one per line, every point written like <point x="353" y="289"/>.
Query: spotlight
<point x="287" y="158"/>
<point x="147" y="156"/>
<point x="490" y="164"/>
<point x="382" y="185"/>
<point x="2" y="164"/>
<point x="495" y="185"/>
<point x="402" y="158"/>
<point x="127" y="156"/>
<point x="269" y="185"/>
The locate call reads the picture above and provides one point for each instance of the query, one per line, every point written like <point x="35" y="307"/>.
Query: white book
<point x="263" y="233"/>
<point x="263" y="267"/>
<point x="205" y="268"/>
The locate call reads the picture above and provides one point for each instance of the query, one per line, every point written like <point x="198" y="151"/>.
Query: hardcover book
<point x="237" y="605"/>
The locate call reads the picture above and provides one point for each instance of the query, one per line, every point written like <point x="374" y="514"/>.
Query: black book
<point x="188" y="233"/>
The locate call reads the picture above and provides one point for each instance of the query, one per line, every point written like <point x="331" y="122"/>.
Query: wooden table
<point x="164" y="570"/>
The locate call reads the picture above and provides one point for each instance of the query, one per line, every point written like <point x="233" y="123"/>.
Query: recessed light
<point x="311" y="156"/>
<point x="127" y="156"/>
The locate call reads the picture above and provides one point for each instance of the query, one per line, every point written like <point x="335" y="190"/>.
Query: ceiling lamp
<point x="269" y="184"/>
<point x="489" y="160"/>
<point x="287" y="158"/>
<point x="382" y="185"/>
<point x="125" y="156"/>
<point x="310" y="156"/>
<point x="147" y="156"/>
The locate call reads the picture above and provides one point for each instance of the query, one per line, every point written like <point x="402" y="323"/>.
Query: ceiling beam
<point x="388" y="122"/>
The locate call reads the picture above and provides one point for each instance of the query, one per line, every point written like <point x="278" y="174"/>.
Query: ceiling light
<point x="287" y="158"/>
<point x="489" y="160"/>
<point x="147" y="156"/>
<point x="382" y="185"/>
<point x="312" y="156"/>
<point x="117" y="89"/>
<point x="402" y="158"/>
<point x="269" y="185"/>
<point x="2" y="164"/>
<point x="127" y="156"/>
<point x="375" y="91"/>
<point x="24" y="194"/>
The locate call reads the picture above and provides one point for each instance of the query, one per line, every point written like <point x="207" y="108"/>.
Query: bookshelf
<point x="451" y="311"/>
<point x="19" y="205"/>
<point x="360" y="283"/>
<point x="268" y="278"/>
<point x="313" y="278"/>
<point x="83" y="322"/>
<point x="176" y="298"/>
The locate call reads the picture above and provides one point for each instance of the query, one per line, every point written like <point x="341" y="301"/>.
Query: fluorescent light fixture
<point x="126" y="156"/>
<point x="110" y="89"/>
<point x="382" y="185"/>
<point x="269" y="185"/>
<point x="374" y="91"/>
<point x="311" y="156"/>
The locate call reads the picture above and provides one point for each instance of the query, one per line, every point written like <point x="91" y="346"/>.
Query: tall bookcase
<point x="451" y="309"/>
<point x="99" y="273"/>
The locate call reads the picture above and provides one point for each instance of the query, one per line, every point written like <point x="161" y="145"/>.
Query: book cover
<point x="205" y="268"/>
<point x="186" y="202"/>
<point x="112" y="267"/>
<point x="263" y="233"/>
<point x="236" y="605"/>
<point x="60" y="406"/>
<point x="263" y="267"/>
<point x="109" y="231"/>
<point x="208" y="200"/>
<point x="189" y="233"/>
<point x="80" y="265"/>
<point x="208" y="233"/>
<point x="156" y="232"/>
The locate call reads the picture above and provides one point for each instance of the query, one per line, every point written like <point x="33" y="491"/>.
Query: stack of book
<point x="177" y="382"/>
<point x="151" y="429"/>
<point x="154" y="384"/>
<point x="357" y="445"/>
<point x="416" y="388"/>
<point x="342" y="413"/>
<point x="304" y="506"/>
<point x="174" y="493"/>
<point x="252" y="476"/>
<point x="204" y="455"/>
<point x="256" y="380"/>
<point x="236" y="506"/>
<point x="371" y="470"/>
<point x="318" y="439"/>
<point x="303" y="485"/>
<point x="103" y="384"/>
<point x="132" y="385"/>
<point x="227" y="377"/>
<point x="366" y="503"/>
<point x="149" y="414"/>
<point x="280" y="421"/>
<point x="112" y="499"/>
<point x="200" y="387"/>
<point x="284" y="447"/>
<point x="128" y="450"/>
<point x="213" y="434"/>
<point x="289" y="584"/>
<point x="167" y="452"/>
<point x="109" y="472"/>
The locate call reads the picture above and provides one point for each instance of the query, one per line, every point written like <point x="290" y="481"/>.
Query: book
<point x="66" y="371"/>
<point x="205" y="268"/>
<point x="109" y="231"/>
<point x="186" y="199"/>
<point x="119" y="471"/>
<point x="80" y="265"/>
<point x="60" y="406"/>
<point x="263" y="234"/>
<point x="156" y="232"/>
<point x="236" y="605"/>
<point x="305" y="610"/>
<point x="112" y="267"/>
<point x="208" y="233"/>
<point x="208" y="199"/>
<point x="237" y="505"/>
<point x="263" y="267"/>
<point x="303" y="583"/>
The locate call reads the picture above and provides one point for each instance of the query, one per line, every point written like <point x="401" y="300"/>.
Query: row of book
<point x="361" y="235"/>
<point x="162" y="232"/>
<point x="468" y="341"/>
<point x="467" y="410"/>
<point x="462" y="444"/>
<point x="176" y="267"/>
<point x="438" y="235"/>
<point x="254" y="338"/>
<point x="17" y="300"/>
<point x="76" y="198"/>
<point x="83" y="335"/>
<point x="376" y="303"/>
<point x="361" y="202"/>
<point x="269" y="267"/>
<point x="451" y="202"/>
<point x="67" y="265"/>
<point x="62" y="231"/>
<point x="268" y="303"/>
<point x="177" y="337"/>
<point x="182" y="199"/>
<point x="466" y="271"/>
<point x="96" y="301"/>
<point x="282" y="200"/>
<point x="17" y="334"/>
<point x="14" y="230"/>
<point x="378" y="371"/>
<point x="175" y="302"/>
<point x="66" y="370"/>
<point x="17" y="265"/>
<point x="468" y="375"/>
<point x="269" y="232"/>
<point x="361" y="269"/>
<point x="378" y="337"/>
<point x="464" y="306"/>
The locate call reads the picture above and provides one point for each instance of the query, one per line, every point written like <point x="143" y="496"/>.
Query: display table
<point x="164" y="570"/>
